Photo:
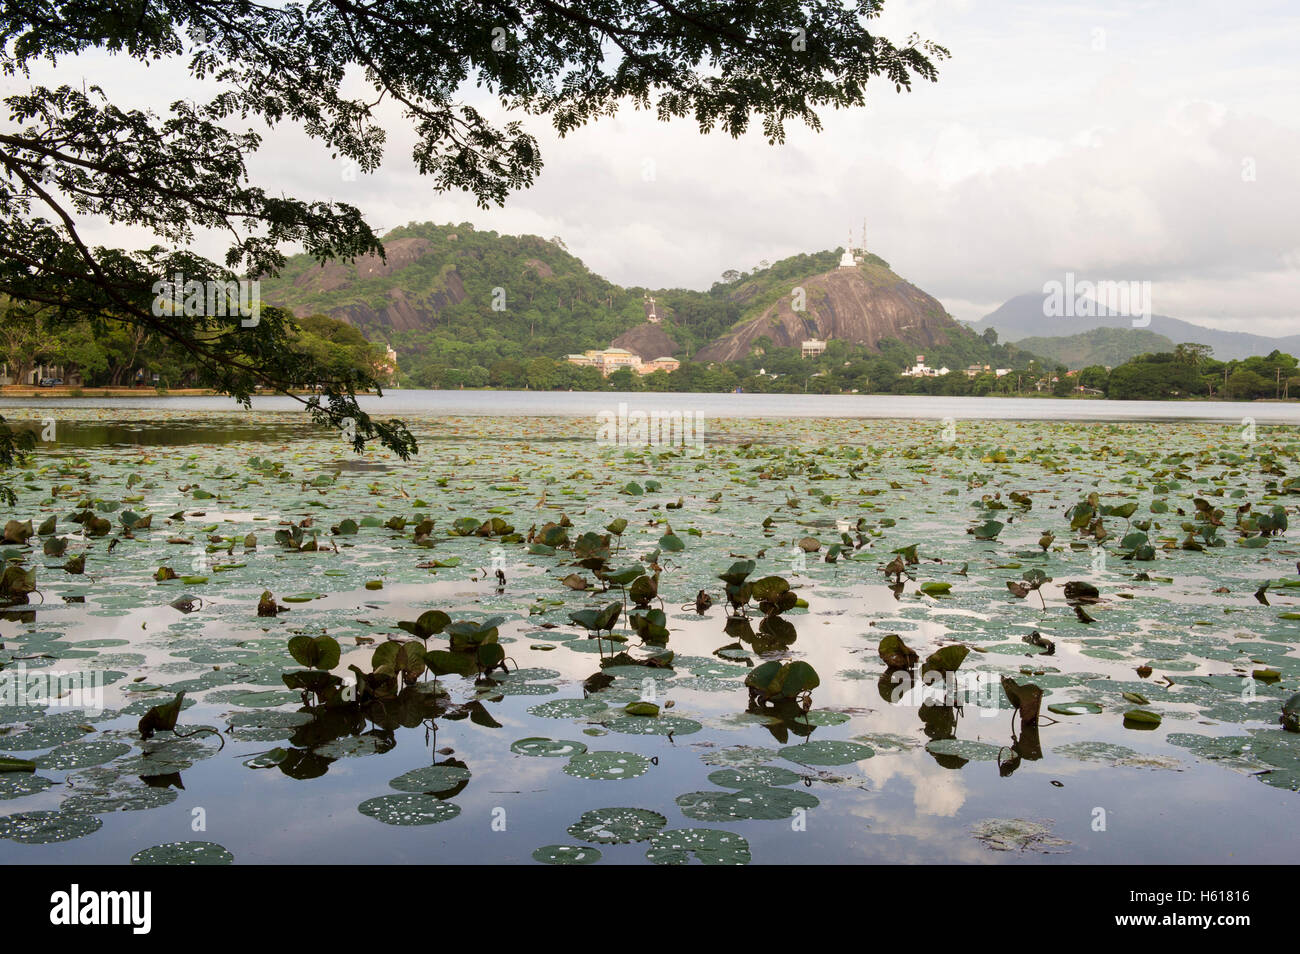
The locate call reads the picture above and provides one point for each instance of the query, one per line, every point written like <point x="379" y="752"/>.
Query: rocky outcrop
<point x="333" y="275"/>
<point x="863" y="305"/>
<point x="649" y="340"/>
<point x="401" y="313"/>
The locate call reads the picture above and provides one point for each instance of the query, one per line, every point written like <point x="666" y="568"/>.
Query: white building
<point x="921" y="370"/>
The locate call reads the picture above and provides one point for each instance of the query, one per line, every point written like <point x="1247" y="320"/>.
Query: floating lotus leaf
<point x="1142" y="717"/>
<point x="611" y="826"/>
<point x="662" y="725"/>
<point x="431" y="778"/>
<point x="1075" y="708"/>
<point x="77" y="755"/>
<point x="739" y="756"/>
<point x="1113" y="754"/>
<point x="409" y="809"/>
<point x="567" y="708"/>
<point x="101" y="791"/>
<point x="826" y="752"/>
<point x="47" y="827"/>
<point x="751" y="776"/>
<point x="708" y="845"/>
<point x="1017" y="834"/>
<point x="884" y="743"/>
<point x="965" y="749"/>
<point x="184" y="853"/>
<point x="547" y="748"/>
<point x="607" y="766"/>
<point x="567" y="855"/>
<point x="20" y="784"/>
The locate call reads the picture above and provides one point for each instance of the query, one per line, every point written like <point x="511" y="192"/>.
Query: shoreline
<point x="23" y="392"/>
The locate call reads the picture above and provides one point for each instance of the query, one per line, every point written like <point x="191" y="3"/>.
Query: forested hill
<point x="456" y="295"/>
<point x="452" y="298"/>
<point x="1109" y="347"/>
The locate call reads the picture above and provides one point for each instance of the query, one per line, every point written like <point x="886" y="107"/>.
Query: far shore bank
<point x="22" y="392"/>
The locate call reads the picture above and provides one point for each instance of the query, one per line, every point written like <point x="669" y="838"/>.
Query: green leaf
<point x="315" y="652"/>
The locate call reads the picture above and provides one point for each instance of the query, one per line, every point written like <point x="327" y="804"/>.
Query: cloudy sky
<point x="1155" y="141"/>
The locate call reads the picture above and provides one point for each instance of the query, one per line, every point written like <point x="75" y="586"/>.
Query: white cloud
<point x="1036" y="152"/>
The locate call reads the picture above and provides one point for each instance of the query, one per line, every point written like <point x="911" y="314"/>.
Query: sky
<point x="1136" y="141"/>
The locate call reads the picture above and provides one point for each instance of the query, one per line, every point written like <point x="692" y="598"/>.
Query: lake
<point x="1159" y="736"/>
<point x="589" y="403"/>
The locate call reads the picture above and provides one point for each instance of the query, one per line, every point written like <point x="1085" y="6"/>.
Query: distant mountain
<point x="1022" y="317"/>
<point x="867" y="304"/>
<point x="1109" y="347"/>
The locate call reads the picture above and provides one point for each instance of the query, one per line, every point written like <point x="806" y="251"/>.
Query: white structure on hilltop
<point x="853" y="257"/>
<point x="813" y="347"/>
<point x="848" y="259"/>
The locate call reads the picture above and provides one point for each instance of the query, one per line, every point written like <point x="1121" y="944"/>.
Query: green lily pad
<point x="547" y="748"/>
<point x="567" y="855"/>
<point x="409" y="809"/>
<point x="184" y="853"/>
<point x="607" y="766"/>
<point x="708" y="845"/>
<point x="617" y="826"/>
<point x="739" y="756"/>
<point x="747" y="777"/>
<point x="46" y="827"/>
<point x="77" y="755"/>
<point x="431" y="778"/>
<point x="967" y="749"/>
<point x="827" y="752"/>
<point x="1074" y="708"/>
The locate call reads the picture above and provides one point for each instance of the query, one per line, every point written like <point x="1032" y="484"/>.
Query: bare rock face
<point x="650" y="341"/>
<point x="334" y="274"/>
<point x="401" y="313"/>
<point x="862" y="305"/>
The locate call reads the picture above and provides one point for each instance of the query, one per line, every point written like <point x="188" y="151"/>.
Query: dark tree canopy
<point x="67" y="153"/>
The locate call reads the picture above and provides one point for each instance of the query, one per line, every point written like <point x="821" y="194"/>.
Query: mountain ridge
<point x="1022" y="317"/>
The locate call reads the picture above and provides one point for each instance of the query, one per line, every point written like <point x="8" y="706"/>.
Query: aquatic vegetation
<point x="262" y="606"/>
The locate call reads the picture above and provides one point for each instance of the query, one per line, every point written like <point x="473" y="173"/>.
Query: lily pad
<point x="567" y="855"/>
<point x="46" y="827"/>
<point x="409" y="809"/>
<point x="827" y="752"/>
<point x="709" y="846"/>
<point x="547" y="748"/>
<point x="611" y="826"/>
<point x="607" y="766"/>
<point x="184" y="853"/>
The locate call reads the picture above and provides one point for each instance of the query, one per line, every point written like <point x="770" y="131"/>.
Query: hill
<point x="1108" y="347"/>
<point x="454" y="295"/>
<point x="463" y="306"/>
<point x="1022" y="317"/>
<point x="865" y="305"/>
